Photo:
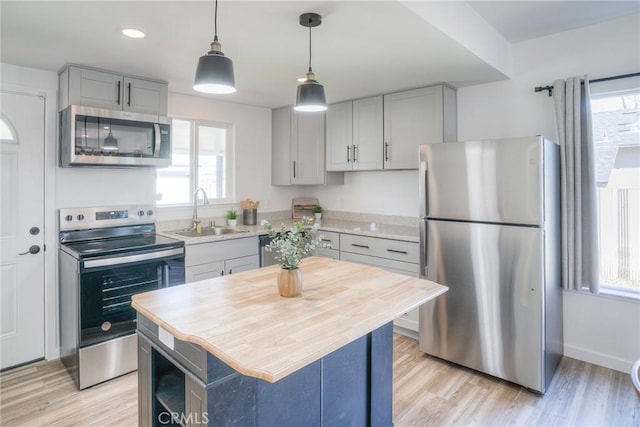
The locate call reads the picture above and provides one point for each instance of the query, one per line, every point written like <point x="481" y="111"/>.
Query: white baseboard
<point x="597" y="358"/>
<point x="413" y="334"/>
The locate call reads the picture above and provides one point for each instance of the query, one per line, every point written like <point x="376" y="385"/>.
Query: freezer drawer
<point x="491" y="319"/>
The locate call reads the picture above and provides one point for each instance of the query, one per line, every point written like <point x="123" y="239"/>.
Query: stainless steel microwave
<point x="98" y="137"/>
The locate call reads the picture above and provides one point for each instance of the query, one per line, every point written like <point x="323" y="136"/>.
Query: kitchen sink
<point x="210" y="231"/>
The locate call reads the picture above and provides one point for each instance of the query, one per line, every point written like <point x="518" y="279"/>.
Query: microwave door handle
<point x="156" y="148"/>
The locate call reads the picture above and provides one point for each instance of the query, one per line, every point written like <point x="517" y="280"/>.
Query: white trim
<point x="598" y="358"/>
<point x="615" y="292"/>
<point x="619" y="296"/>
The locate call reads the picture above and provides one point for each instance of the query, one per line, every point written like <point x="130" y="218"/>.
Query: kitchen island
<point x="232" y="351"/>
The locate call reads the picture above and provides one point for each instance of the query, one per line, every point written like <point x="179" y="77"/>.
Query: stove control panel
<point x="100" y="217"/>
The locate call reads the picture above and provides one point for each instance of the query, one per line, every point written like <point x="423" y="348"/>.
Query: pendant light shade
<point x="214" y="73"/>
<point x="310" y="96"/>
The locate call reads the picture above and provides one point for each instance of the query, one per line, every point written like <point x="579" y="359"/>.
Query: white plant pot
<point x="318" y="216"/>
<point x="232" y="223"/>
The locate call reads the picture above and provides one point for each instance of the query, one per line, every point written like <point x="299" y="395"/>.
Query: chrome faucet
<point x="196" y="221"/>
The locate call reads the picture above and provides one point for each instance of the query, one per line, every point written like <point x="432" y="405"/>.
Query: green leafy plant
<point x="317" y="209"/>
<point x="295" y="243"/>
<point x="232" y="214"/>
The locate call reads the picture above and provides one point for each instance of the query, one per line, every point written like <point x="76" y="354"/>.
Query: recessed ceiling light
<point x="133" y="33"/>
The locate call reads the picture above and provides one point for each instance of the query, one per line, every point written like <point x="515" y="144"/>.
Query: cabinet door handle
<point x="294" y="168"/>
<point x="222" y="272"/>
<point x="128" y="94"/>
<point x="118" y="93"/>
<point x="348" y="152"/>
<point x="231" y="271"/>
<point x="386" y="151"/>
<point x="325" y="240"/>
<point x="355" y="157"/>
<point x="360" y="246"/>
<point x="395" y="251"/>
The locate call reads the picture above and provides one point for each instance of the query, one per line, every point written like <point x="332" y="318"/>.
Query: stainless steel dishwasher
<point x="266" y="257"/>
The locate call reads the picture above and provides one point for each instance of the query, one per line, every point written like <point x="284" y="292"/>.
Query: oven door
<point x="107" y="284"/>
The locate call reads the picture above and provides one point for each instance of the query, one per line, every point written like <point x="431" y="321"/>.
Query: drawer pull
<point x="325" y="240"/>
<point x="395" y="251"/>
<point x="360" y="246"/>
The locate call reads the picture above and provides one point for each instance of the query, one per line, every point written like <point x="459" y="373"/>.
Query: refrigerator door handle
<point x="423" y="249"/>
<point x="422" y="187"/>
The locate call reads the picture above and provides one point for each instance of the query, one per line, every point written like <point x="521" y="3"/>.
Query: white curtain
<point x="580" y="261"/>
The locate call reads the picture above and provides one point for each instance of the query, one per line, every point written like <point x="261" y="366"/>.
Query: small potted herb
<point x="317" y="212"/>
<point x="232" y="218"/>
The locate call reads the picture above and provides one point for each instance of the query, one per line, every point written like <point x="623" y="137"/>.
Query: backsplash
<point x="179" y="224"/>
<point x="406" y="221"/>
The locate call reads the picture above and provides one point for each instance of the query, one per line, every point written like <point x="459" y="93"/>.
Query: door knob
<point x="33" y="249"/>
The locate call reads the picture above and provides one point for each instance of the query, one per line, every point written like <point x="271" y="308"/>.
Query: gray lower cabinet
<point x="330" y="238"/>
<point x="394" y="255"/>
<point x="213" y="259"/>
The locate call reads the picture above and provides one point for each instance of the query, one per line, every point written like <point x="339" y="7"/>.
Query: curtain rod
<point x="603" y="79"/>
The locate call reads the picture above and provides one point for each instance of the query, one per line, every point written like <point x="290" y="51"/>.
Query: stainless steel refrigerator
<point x="490" y="231"/>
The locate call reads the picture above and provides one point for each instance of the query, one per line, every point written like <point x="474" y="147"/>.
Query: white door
<point x="21" y="228"/>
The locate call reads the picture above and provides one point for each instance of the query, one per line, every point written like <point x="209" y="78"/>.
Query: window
<point x="202" y="156"/>
<point x="616" y="134"/>
<point x="7" y="133"/>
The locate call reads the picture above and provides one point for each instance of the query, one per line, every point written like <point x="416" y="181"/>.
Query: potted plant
<point x="292" y="245"/>
<point x="317" y="212"/>
<point x="232" y="218"/>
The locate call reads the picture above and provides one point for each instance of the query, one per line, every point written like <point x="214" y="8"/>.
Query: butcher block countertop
<point x="242" y="320"/>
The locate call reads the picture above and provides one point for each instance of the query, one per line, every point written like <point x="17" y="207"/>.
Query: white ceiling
<point x="522" y="20"/>
<point x="362" y="47"/>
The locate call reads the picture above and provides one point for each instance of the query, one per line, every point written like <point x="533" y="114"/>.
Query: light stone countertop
<point x="363" y="228"/>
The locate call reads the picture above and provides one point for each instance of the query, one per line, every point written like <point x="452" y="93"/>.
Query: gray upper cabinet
<point x="414" y="117"/>
<point x="367" y="133"/>
<point x="339" y="131"/>
<point x="102" y="89"/>
<point x="354" y="135"/>
<point x="298" y="149"/>
<point x="384" y="132"/>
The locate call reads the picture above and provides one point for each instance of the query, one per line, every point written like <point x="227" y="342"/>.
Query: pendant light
<point x="310" y="96"/>
<point x="215" y="71"/>
<point x="110" y="142"/>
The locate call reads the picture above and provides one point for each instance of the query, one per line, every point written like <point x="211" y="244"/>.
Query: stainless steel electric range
<point x="108" y="254"/>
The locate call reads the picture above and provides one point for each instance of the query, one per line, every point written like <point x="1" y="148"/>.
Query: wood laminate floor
<point x="427" y="392"/>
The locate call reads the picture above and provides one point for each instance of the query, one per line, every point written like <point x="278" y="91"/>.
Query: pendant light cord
<point x="309" y="45"/>
<point x="215" y="23"/>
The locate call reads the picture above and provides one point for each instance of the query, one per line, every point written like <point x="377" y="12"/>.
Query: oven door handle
<point x="132" y="258"/>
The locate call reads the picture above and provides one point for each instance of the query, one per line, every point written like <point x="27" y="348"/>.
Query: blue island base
<point x="185" y="385"/>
